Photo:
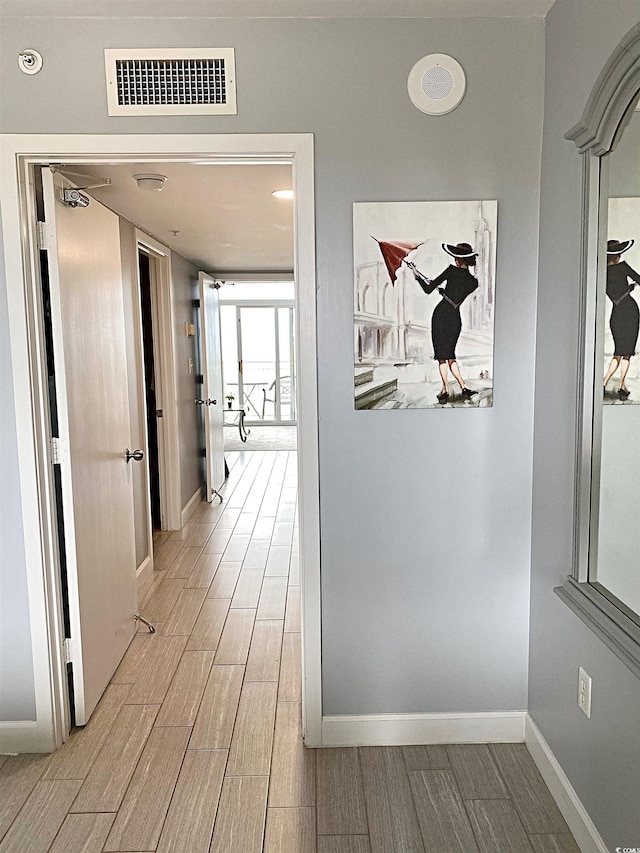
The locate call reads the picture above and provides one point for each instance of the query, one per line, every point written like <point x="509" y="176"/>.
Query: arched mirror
<point x="604" y="588"/>
<point x="614" y="563"/>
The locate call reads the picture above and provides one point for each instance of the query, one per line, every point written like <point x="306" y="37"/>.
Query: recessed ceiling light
<point x="282" y="194"/>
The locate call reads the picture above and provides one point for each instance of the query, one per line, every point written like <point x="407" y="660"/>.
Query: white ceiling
<point x="226" y="217"/>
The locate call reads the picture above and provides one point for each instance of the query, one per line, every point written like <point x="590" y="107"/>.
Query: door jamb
<point x="163" y="343"/>
<point x="17" y="153"/>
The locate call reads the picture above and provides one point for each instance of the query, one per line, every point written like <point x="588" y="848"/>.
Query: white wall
<point x="618" y="527"/>
<point x="17" y="696"/>
<point x="128" y="248"/>
<point x="425" y="515"/>
<point x="190" y="417"/>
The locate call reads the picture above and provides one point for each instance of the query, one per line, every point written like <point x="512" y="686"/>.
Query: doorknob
<point x="207" y="402"/>
<point x="138" y="455"/>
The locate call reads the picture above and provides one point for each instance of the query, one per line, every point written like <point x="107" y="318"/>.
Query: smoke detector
<point x="150" y="183"/>
<point x="29" y="61"/>
<point x="436" y="84"/>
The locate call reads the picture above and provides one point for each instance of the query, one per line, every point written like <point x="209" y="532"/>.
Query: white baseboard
<point x="19" y="736"/>
<point x="404" y="729"/>
<point x="585" y="833"/>
<point x="144" y="578"/>
<point x="192" y="505"/>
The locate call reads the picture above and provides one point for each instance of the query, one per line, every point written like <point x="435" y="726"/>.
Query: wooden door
<point x="88" y="331"/>
<point x="211" y="359"/>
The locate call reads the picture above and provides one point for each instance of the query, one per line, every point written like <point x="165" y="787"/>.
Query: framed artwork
<point x="424" y="295"/>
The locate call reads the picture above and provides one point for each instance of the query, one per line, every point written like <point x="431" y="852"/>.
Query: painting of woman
<point x="625" y="316"/>
<point x="446" y="323"/>
<point x="424" y="335"/>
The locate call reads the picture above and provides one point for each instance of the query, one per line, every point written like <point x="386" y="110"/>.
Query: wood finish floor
<point x="196" y="744"/>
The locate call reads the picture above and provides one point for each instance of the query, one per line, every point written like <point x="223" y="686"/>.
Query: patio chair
<point x="269" y="394"/>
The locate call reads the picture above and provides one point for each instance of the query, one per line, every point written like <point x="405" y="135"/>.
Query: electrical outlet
<point x="584" y="691"/>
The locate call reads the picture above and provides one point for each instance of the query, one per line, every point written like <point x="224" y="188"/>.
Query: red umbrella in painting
<point x="394" y="252"/>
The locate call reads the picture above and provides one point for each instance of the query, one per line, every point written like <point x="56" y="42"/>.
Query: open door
<point x="211" y="401"/>
<point x="92" y="435"/>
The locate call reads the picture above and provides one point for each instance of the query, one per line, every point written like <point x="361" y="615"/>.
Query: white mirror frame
<point x="595" y="135"/>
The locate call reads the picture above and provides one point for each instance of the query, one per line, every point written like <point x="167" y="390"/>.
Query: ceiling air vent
<point x="171" y="82"/>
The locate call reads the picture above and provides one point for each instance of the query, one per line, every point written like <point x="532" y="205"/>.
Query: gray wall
<point x="600" y="755"/>
<point x="425" y="515"/>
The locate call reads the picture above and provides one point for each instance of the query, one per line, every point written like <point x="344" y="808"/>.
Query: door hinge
<point x="58" y="451"/>
<point x="67" y="650"/>
<point x="43" y="240"/>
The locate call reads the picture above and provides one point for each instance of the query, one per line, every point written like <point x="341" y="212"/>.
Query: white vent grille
<point x="171" y="82"/>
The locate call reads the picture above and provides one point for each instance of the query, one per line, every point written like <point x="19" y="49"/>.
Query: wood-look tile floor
<point x="196" y="744"/>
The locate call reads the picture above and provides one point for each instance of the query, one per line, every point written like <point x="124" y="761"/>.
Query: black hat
<point x="462" y="250"/>
<point x="617" y="247"/>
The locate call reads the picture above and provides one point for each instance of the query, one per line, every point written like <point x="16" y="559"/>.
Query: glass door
<point x="259" y="361"/>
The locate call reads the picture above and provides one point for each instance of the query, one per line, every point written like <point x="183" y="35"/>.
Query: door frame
<point x="164" y="349"/>
<point x="18" y="153"/>
<point x="211" y="389"/>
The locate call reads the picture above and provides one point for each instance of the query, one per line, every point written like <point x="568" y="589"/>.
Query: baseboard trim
<point x="144" y="577"/>
<point x="192" y="505"/>
<point x="19" y="736"/>
<point x="404" y="729"/>
<point x="584" y="831"/>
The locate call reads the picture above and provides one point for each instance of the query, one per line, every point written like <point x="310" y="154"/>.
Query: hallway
<point x="196" y="744"/>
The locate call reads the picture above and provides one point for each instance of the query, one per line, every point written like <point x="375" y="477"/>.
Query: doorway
<point x="148" y="351"/>
<point x="259" y="360"/>
<point x="37" y="513"/>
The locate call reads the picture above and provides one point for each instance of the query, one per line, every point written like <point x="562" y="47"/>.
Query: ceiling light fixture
<point x="282" y="194"/>
<point x="149" y="182"/>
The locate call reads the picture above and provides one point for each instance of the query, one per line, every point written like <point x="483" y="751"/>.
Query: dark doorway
<point x="144" y="263"/>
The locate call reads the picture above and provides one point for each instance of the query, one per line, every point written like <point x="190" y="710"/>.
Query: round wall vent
<point x="436" y="84"/>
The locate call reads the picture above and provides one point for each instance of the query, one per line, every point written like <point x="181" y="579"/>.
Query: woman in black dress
<point x="445" y="321"/>
<point x="625" y="316"/>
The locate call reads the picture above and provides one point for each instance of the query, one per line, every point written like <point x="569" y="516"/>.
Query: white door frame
<point x="164" y="349"/>
<point x="17" y="153"/>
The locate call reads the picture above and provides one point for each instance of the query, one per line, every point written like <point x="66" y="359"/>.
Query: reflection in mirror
<point x="615" y="548"/>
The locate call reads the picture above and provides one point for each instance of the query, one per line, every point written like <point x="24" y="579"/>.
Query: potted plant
<point x="230" y="398"/>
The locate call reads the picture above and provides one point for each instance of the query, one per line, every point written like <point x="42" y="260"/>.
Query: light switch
<point x="190" y="363"/>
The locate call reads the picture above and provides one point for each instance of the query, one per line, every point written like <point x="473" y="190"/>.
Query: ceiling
<point x="280" y="8"/>
<point x="226" y="218"/>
